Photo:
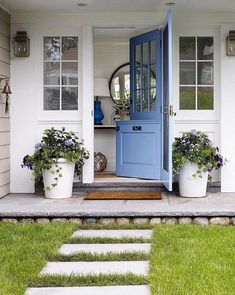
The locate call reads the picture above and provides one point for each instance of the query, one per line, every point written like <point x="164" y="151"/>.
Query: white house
<point x="55" y="88"/>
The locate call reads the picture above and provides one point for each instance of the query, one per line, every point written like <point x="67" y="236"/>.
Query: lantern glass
<point x="230" y="47"/>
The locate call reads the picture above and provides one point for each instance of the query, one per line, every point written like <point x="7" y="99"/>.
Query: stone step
<point x="104" y="290"/>
<point x="70" y="249"/>
<point x="96" y="268"/>
<point x="129" y="233"/>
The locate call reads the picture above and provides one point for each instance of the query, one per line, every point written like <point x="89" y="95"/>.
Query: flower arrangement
<point x="56" y="144"/>
<point x="122" y="106"/>
<point x="197" y="148"/>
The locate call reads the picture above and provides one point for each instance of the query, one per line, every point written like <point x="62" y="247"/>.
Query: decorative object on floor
<point x="55" y="158"/>
<point x="101" y="90"/>
<point x="122" y="108"/>
<point x="194" y="156"/>
<point x="124" y="195"/>
<point x="100" y="162"/>
<point x="21" y="44"/>
<point x="6" y="91"/>
<point x="230" y="44"/>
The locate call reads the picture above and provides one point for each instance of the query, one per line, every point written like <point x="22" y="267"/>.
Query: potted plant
<point x="55" y="159"/>
<point x="122" y="108"/>
<point x="194" y="156"/>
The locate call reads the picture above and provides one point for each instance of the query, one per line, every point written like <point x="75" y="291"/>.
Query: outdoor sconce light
<point x="6" y="91"/>
<point x="21" y="44"/>
<point x="230" y="44"/>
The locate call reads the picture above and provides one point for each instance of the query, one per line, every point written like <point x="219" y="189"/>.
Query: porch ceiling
<point x="115" y="6"/>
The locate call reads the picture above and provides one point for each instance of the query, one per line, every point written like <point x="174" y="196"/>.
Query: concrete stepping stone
<point x="96" y="268"/>
<point x="128" y="233"/>
<point x="104" y="290"/>
<point x="70" y="249"/>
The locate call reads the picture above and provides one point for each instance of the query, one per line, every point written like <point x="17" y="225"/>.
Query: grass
<point x="184" y="259"/>
<point x="193" y="260"/>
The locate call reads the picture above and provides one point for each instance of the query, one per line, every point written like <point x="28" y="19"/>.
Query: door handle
<point x="117" y="128"/>
<point x="168" y="110"/>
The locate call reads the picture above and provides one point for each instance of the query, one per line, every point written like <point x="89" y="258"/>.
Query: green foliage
<point x="56" y="144"/>
<point x="197" y="148"/>
<point x="122" y="106"/>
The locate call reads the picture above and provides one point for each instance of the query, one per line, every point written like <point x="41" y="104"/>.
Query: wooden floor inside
<point x="123" y="195"/>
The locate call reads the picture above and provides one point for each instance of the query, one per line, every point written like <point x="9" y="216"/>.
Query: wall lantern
<point x="6" y="91"/>
<point x="230" y="44"/>
<point x="21" y="44"/>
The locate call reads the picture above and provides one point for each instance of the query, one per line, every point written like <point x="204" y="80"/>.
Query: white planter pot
<point x="64" y="186"/>
<point x="189" y="186"/>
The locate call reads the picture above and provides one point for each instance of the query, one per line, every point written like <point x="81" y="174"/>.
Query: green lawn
<point x="185" y="260"/>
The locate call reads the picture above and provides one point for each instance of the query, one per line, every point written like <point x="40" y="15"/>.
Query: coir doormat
<point x="126" y="195"/>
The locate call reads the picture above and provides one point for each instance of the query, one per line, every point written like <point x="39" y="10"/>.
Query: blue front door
<point x="141" y="140"/>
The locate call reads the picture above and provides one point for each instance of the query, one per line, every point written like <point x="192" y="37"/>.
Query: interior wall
<point x="109" y="55"/>
<point x="4" y="118"/>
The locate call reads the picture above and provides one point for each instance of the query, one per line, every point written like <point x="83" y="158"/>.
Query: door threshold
<point x="110" y="177"/>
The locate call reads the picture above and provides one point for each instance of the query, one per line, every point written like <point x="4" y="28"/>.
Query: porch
<point x="35" y="206"/>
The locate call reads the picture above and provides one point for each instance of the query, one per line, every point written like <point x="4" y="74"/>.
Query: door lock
<point x="168" y="110"/>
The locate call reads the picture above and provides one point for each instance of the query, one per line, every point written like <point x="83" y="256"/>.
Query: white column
<point x="227" y="114"/>
<point x="88" y="100"/>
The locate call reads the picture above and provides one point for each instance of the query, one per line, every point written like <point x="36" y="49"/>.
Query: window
<point x="196" y="90"/>
<point x="60" y="73"/>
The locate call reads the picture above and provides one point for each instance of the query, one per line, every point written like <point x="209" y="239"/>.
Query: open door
<point x="143" y="146"/>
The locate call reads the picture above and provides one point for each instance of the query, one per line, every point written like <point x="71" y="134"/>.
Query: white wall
<point x="4" y="118"/>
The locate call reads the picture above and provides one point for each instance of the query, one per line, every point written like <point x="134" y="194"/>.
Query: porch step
<point x="129" y="233"/>
<point x="103" y="290"/>
<point x="70" y="249"/>
<point x="96" y="268"/>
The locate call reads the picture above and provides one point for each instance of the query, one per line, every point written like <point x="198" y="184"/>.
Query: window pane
<point x="153" y="75"/>
<point x="146" y="53"/>
<point x="51" y="73"/>
<point x="138" y="78"/>
<point x="145" y="100"/>
<point x="51" y="98"/>
<point x="69" y="98"/>
<point x="205" y="98"/>
<point x="51" y="48"/>
<point x="187" y="73"/>
<point x="137" y="101"/>
<point x="205" y="73"/>
<point x="70" y="48"/>
<point x="153" y="99"/>
<point x="153" y="46"/>
<point x="187" y="48"/>
<point x="145" y="81"/>
<point x="205" y="48"/>
<point x="69" y="73"/>
<point x="187" y="98"/>
<point x="138" y="54"/>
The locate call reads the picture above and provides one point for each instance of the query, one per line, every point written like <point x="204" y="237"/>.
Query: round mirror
<point x="119" y="83"/>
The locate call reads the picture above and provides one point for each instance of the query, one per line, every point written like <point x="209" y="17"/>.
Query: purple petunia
<point x="193" y="132"/>
<point x="68" y="142"/>
<point x="37" y="145"/>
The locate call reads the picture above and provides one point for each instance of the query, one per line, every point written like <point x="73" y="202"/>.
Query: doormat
<point x="127" y="195"/>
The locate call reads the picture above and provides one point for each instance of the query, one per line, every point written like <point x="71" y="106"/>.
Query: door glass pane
<point x="52" y="48"/>
<point x="51" y="73"/>
<point x="70" y="48"/>
<point x="145" y="80"/>
<point x="187" y="48"/>
<point x="205" y="73"/>
<point x="187" y="73"/>
<point x="146" y="53"/>
<point x="153" y="46"/>
<point x="187" y="98"/>
<point x="69" y="98"/>
<point x="205" y="98"/>
<point x="137" y="100"/>
<point x="138" y="54"/>
<point x="138" y="78"/>
<point x="145" y="103"/>
<point x="69" y="73"/>
<point x="51" y="98"/>
<point x="153" y="99"/>
<point x="153" y="75"/>
<point x="205" y="48"/>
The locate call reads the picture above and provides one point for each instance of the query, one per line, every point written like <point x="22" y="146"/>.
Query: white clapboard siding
<point x="4" y="118"/>
<point x="4" y="138"/>
<point x="4" y="178"/>
<point x="4" y="189"/>
<point x="4" y="165"/>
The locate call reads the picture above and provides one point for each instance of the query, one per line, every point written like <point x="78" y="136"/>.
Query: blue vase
<point x="98" y="113"/>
